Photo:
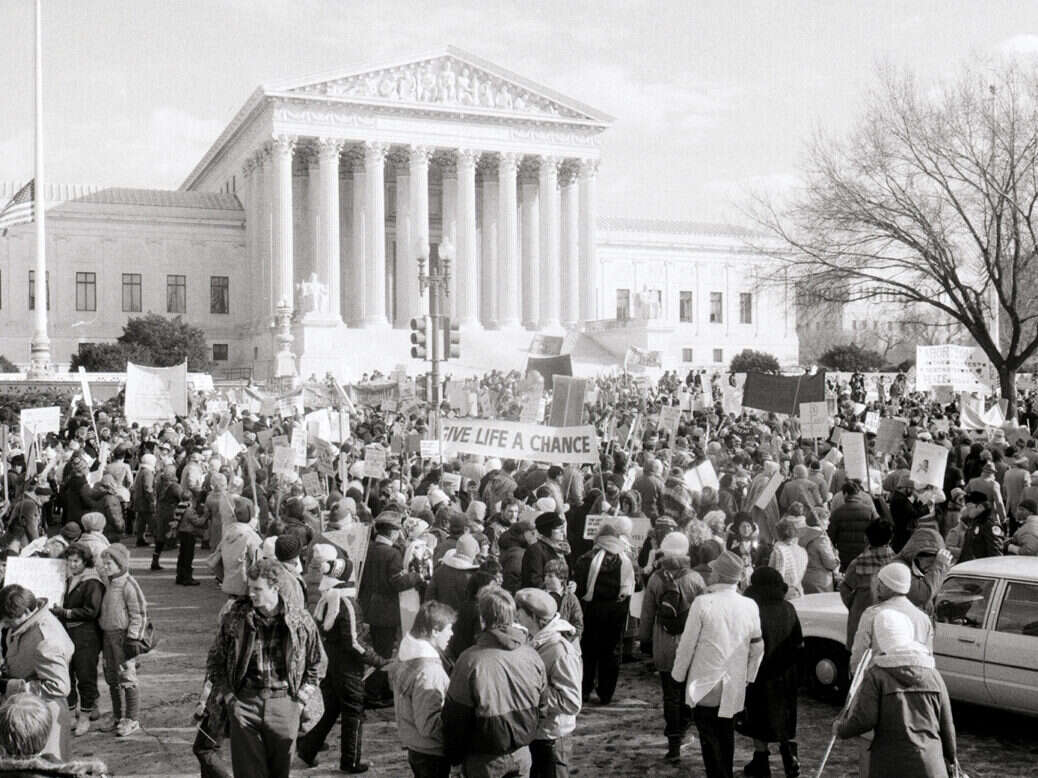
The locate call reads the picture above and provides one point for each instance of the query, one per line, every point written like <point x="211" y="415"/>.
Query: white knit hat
<point x="675" y="544"/>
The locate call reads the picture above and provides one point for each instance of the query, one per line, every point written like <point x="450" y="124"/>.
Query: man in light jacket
<point x="420" y="679"/>
<point x="239" y="548"/>
<point x="552" y="637"/>
<point x="718" y="654"/>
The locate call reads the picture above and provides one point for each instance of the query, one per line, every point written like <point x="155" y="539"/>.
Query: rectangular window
<point x="746" y="308"/>
<point x="32" y="290"/>
<point x="219" y="352"/>
<point x="131" y="292"/>
<point x="219" y="294"/>
<point x="685" y="307"/>
<point x="86" y="291"/>
<point x="686" y="355"/>
<point x="718" y="355"/>
<point x="716" y="307"/>
<point x="176" y="294"/>
<point x="623" y="304"/>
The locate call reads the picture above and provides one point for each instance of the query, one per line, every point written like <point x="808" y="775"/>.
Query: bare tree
<point x="930" y="202"/>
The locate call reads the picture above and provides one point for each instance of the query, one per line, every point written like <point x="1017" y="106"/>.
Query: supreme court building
<point x="321" y="194"/>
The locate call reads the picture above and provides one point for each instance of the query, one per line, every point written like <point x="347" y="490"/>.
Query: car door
<point x="1011" y="655"/>
<point x="961" y="607"/>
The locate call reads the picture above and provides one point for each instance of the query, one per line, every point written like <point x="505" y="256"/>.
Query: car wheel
<point x="825" y="669"/>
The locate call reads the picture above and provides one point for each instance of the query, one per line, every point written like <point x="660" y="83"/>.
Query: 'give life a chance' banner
<point x="514" y="440"/>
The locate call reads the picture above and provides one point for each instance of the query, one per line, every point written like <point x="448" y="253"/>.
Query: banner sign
<point x="374" y="393"/>
<point x="965" y="368"/>
<point x="639" y="359"/>
<point x="814" y="420"/>
<point x="155" y="394"/>
<point x="782" y="394"/>
<point x="514" y="440"/>
<point x="37" y="422"/>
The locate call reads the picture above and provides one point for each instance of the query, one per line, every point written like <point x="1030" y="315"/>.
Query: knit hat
<point x="287" y="547"/>
<point x="267" y="549"/>
<point x="728" y="567"/>
<point x="892" y="630"/>
<point x="665" y="521"/>
<point x="537" y="602"/>
<point x="677" y="499"/>
<point x="546" y="522"/>
<point x="675" y="544"/>
<point x="119" y="554"/>
<point x="71" y="532"/>
<point x="93" y="521"/>
<point x="467" y="546"/>
<point x="896" y="576"/>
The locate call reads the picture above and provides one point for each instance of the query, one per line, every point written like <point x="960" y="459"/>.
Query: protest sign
<point x="670" y="418"/>
<point x="319" y="423"/>
<point x="313" y="484"/>
<point x="284" y="460"/>
<point x="854" y="461"/>
<point x="835" y="435"/>
<point x="768" y="494"/>
<point x="567" y="401"/>
<point x="965" y="368"/>
<point x="41" y="576"/>
<point x="155" y="394"/>
<point x="37" y="422"/>
<point x="703" y="475"/>
<point x="299" y="444"/>
<point x="640" y="528"/>
<point x="546" y="345"/>
<point x="833" y="456"/>
<point x="429" y="449"/>
<point x="354" y="541"/>
<point x="929" y="462"/>
<point x="814" y="420"/>
<point x="872" y="422"/>
<point x="890" y="434"/>
<point x="639" y="359"/>
<point x="514" y="440"/>
<point x="226" y="445"/>
<point x="451" y="481"/>
<point x="84" y="388"/>
<point x="374" y="461"/>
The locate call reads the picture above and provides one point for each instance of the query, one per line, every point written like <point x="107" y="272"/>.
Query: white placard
<point x="854" y="460"/>
<point x="768" y="494"/>
<point x="872" y="422"/>
<point x="451" y="481"/>
<point x="814" y="420"/>
<point x="41" y="576"/>
<point x="37" y="422"/>
<point x="928" y="464"/>
<point x="284" y="460"/>
<point x="670" y="418"/>
<point x="374" y="461"/>
<point x="429" y="449"/>
<point x="299" y="440"/>
<point x="155" y="394"/>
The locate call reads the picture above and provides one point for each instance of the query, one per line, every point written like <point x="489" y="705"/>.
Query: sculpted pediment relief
<point x="443" y="81"/>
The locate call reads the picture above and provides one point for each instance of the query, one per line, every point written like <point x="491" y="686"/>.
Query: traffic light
<point x="421" y="335"/>
<point x="451" y="339"/>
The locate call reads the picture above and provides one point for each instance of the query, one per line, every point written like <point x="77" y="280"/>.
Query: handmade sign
<point x="929" y="462"/>
<point x="890" y="434"/>
<point x="670" y="418"/>
<point x="41" y="576"/>
<point x="299" y="439"/>
<point x="514" y="440"/>
<point x="374" y="461"/>
<point x="814" y="420"/>
<point x="284" y="460"/>
<point x="768" y="493"/>
<point x="429" y="449"/>
<point x="155" y="394"/>
<point x="854" y="461"/>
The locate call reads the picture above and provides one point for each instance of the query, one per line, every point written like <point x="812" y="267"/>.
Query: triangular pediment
<point x="452" y="80"/>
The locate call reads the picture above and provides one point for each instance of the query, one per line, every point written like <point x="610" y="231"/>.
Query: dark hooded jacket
<point x="924" y="585"/>
<point x="496" y="695"/>
<point x="513" y="546"/>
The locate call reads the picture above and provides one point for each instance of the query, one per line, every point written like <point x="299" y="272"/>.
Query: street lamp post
<point x="437" y="281"/>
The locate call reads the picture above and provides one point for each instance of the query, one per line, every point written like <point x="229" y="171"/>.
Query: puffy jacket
<point x="690" y="584"/>
<point x="38" y="654"/>
<point x="495" y="697"/>
<point x="1027" y="537"/>
<point x="419" y="679"/>
<point x="564" y="670"/>
<point x="124" y="606"/>
<point x="239" y="548"/>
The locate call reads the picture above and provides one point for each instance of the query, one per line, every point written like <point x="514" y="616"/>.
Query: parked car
<point x="985" y="642"/>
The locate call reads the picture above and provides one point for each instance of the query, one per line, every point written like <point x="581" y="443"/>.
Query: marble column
<point x="265" y="233"/>
<point x="468" y="282"/>
<point x="531" y="243"/>
<point x="489" y="259"/>
<point x="345" y="242"/>
<point x="449" y="226"/>
<point x="249" y="174"/>
<point x="570" y="308"/>
<point x="588" y="261"/>
<point x="419" y="176"/>
<point x="508" y="283"/>
<point x="284" y="289"/>
<point x="550" y="270"/>
<point x="375" y="240"/>
<point x="357" y="274"/>
<point x="405" y="267"/>
<point x="327" y="249"/>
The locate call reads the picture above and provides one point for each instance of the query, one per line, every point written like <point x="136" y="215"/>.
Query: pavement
<point x="622" y="739"/>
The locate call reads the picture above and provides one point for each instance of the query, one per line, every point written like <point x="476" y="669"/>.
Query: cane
<point x="859" y="674"/>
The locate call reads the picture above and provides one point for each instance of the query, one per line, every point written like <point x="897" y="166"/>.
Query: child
<point x="124" y="614"/>
<point x="556" y="576"/>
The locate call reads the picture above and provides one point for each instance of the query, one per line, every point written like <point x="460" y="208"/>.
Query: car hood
<point x="824" y="603"/>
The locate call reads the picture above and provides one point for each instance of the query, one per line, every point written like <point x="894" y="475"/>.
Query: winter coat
<point x="534" y="560"/>
<point x="112" y="507"/>
<point x="79" y="498"/>
<point x="570" y="610"/>
<point x="168" y="497"/>
<point x="904" y="701"/>
<point x="340" y="632"/>
<point x="419" y="679"/>
<point x="690" y="584"/>
<point x="1027" y="537"/>
<point x="81" y="605"/>
<point x="856" y="587"/>
<point x="822" y="560"/>
<point x="23" y="522"/>
<point x="924" y="586"/>
<point x="37" y="655"/>
<point x="142" y="495"/>
<point x="512" y="546"/>
<point x="497" y="692"/>
<point x="847" y="529"/>
<point x="239" y="548"/>
<point x="450" y="580"/>
<point x="564" y="670"/>
<point x="383" y="580"/>
<point x="863" y="640"/>
<point x="124" y="607"/>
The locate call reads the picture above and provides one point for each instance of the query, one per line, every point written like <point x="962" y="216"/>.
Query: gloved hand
<point x="133" y="649"/>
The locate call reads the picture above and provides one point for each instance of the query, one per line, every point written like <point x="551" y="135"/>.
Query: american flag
<point x="19" y="210"/>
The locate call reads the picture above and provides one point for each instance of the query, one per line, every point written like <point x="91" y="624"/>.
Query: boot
<point x="759" y="767"/>
<point x="117" y="708"/>
<point x="790" y="761"/>
<point x="673" y="749"/>
<point x="352" y="732"/>
<point x="155" y="562"/>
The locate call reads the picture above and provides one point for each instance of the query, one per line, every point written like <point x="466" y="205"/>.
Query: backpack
<point x="672" y="608"/>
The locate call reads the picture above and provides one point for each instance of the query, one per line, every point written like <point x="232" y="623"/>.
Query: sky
<point x="713" y="100"/>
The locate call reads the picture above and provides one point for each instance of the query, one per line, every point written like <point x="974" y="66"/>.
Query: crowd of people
<point x="497" y="598"/>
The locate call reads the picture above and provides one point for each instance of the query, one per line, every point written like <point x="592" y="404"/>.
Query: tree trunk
<point x="1007" y="383"/>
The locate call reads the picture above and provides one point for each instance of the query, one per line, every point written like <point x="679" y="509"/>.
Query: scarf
<point x="872" y="560"/>
<point x="330" y="605"/>
<point x="610" y="545"/>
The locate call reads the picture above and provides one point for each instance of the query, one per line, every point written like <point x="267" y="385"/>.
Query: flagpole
<point x="39" y="356"/>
